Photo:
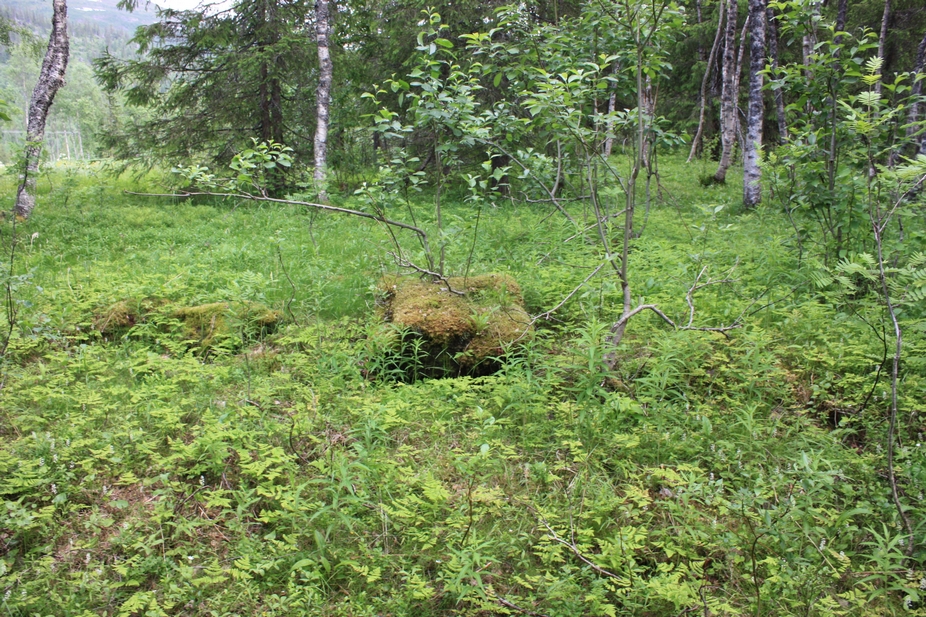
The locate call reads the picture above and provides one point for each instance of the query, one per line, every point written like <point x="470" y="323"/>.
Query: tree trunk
<point x="323" y="93"/>
<point x="612" y="107"/>
<point x="738" y="74"/>
<point x="51" y="78"/>
<point x="728" y="95"/>
<point x="752" y="174"/>
<point x="885" y="21"/>
<point x="841" y="12"/>
<point x="772" y="35"/>
<point x="913" y="114"/>
<point x="704" y="82"/>
<point x="809" y="41"/>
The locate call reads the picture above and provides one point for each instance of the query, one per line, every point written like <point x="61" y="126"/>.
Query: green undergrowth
<point x="723" y="474"/>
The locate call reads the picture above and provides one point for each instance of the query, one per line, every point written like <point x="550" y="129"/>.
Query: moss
<point x="120" y="316"/>
<point x="459" y="334"/>
<point x="210" y="323"/>
<point x="206" y="324"/>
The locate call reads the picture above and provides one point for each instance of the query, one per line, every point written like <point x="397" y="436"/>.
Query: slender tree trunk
<point x="728" y="95"/>
<point x="841" y="11"/>
<point x="612" y="107"/>
<point x="885" y="21"/>
<point x="772" y="35"/>
<point x="704" y="82"/>
<point x="752" y="174"/>
<point x="913" y="113"/>
<point x="51" y="78"/>
<point x="323" y="94"/>
<point x="809" y="41"/>
<point x="738" y="73"/>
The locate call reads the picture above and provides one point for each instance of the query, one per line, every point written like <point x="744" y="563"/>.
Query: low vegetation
<point x="205" y="411"/>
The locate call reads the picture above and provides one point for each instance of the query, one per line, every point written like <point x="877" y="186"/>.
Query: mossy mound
<point x="206" y="324"/>
<point x="458" y="334"/>
<point x="118" y="318"/>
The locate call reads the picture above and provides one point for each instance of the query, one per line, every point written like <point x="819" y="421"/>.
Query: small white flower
<point x="42" y="462"/>
<point x="202" y="480"/>
<point x="822" y="544"/>
<point x="54" y="489"/>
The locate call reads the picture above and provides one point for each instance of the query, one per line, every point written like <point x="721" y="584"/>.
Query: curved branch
<point x="293" y="202"/>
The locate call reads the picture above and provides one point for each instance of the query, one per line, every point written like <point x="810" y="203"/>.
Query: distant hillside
<point x="93" y="16"/>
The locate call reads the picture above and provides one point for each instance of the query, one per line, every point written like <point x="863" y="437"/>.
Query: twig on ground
<point x="402" y="262"/>
<point x="515" y="607"/>
<point x="575" y="549"/>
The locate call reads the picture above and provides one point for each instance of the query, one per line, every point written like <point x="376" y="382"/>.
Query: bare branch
<point x="515" y="607"/>
<point x="549" y="313"/>
<point x="308" y="204"/>
<point x="887" y="217"/>
<point x="575" y="550"/>
<point x="403" y="262"/>
<point x="551" y="192"/>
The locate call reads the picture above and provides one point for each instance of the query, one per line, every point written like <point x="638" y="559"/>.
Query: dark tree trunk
<point x="728" y="95"/>
<point x="704" y="83"/>
<point x="51" y="78"/>
<point x="841" y="12"/>
<point x="913" y="114"/>
<point x="772" y="32"/>
<point x="323" y="93"/>
<point x="752" y="187"/>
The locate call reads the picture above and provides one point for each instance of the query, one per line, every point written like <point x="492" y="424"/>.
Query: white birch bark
<point x="51" y="78"/>
<point x="323" y="94"/>
<point x="752" y="173"/>
<point x="728" y="95"/>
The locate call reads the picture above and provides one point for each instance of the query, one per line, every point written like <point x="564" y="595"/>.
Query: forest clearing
<point x="540" y="328"/>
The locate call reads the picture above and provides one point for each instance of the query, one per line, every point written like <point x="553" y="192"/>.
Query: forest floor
<point x="240" y="467"/>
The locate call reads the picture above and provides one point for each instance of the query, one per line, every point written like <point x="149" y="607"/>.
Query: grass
<point x="143" y="475"/>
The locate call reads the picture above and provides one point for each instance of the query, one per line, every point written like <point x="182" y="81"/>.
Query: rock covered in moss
<point x="462" y="333"/>
<point x="204" y="324"/>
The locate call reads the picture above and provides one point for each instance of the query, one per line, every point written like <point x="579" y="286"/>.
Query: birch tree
<point x="51" y="78"/>
<point x="323" y="93"/>
<point x="752" y="174"/>
<point x="728" y="95"/>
